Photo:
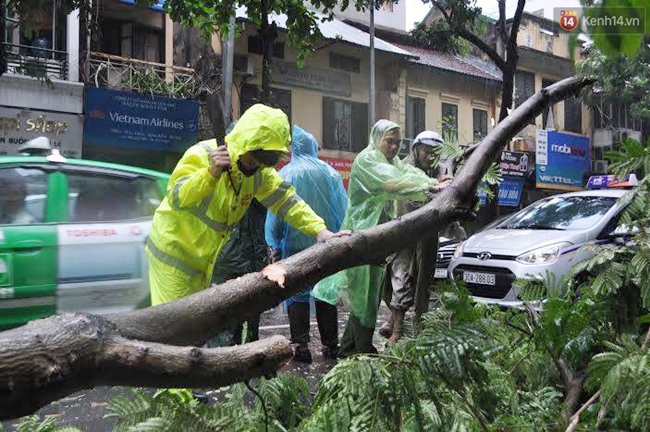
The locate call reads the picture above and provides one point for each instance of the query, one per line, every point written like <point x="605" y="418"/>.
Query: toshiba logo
<point x="108" y="232"/>
<point x="565" y="149"/>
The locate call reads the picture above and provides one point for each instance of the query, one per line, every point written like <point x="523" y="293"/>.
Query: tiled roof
<point x="466" y="65"/>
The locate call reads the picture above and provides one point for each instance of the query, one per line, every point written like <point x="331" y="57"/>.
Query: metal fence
<point x="120" y="73"/>
<point x="36" y="61"/>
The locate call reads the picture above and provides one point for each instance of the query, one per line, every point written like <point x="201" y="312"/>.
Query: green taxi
<point x="72" y="235"/>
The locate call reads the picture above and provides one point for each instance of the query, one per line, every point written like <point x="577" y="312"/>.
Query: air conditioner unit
<point x="599" y="166"/>
<point x="243" y="65"/>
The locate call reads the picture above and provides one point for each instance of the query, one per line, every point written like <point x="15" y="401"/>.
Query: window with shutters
<point x="415" y="116"/>
<point x="345" y="125"/>
<point x="450" y="121"/>
<point x="573" y="115"/>
<point x="551" y="108"/>
<point x="524" y="88"/>
<point x="280" y="98"/>
<point x="480" y="124"/>
<point x="345" y="63"/>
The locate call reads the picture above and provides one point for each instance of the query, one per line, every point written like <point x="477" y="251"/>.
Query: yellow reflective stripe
<point x="276" y="195"/>
<point x="171" y="260"/>
<point x="288" y="204"/>
<point x="215" y="225"/>
<point x="176" y="192"/>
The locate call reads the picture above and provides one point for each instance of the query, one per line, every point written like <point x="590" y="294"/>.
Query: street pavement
<point x="86" y="409"/>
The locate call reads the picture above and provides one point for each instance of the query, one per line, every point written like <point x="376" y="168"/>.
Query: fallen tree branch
<point x="48" y="359"/>
<point x="53" y="357"/>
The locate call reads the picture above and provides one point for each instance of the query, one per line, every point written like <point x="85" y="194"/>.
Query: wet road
<point x="86" y="409"/>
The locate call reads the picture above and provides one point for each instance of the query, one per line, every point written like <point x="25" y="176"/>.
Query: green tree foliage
<point x="470" y="367"/>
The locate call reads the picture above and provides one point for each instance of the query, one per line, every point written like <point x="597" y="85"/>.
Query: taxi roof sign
<point x="611" y="182"/>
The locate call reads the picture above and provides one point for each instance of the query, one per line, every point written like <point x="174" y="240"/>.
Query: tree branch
<point x="470" y="37"/>
<point x="502" y="22"/>
<point x="50" y="358"/>
<point x="514" y="29"/>
<point x="575" y="418"/>
<point x="483" y="46"/>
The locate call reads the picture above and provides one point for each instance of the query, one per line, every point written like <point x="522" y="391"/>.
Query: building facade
<point x="40" y="93"/>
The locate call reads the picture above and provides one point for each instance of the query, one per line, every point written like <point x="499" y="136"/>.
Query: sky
<point x="416" y="10"/>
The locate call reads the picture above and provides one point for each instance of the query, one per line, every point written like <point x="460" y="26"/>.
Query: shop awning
<point x="337" y="30"/>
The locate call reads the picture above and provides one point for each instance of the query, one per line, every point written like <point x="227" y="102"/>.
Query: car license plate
<point x="440" y="274"/>
<point x="479" y="278"/>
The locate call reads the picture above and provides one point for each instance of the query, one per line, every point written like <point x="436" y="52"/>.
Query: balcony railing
<point x="36" y="62"/>
<point x="120" y="73"/>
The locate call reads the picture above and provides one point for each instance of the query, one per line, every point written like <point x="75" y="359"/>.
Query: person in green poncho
<point x="378" y="177"/>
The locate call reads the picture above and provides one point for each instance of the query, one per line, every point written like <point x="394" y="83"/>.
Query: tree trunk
<point x="268" y="34"/>
<point x="53" y="357"/>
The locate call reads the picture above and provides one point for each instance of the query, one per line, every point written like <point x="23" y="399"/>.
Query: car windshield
<point x="561" y="213"/>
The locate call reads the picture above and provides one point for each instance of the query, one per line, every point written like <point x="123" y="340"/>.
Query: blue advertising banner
<point x="562" y="160"/>
<point x="510" y="191"/>
<point x="157" y="6"/>
<point x="124" y="119"/>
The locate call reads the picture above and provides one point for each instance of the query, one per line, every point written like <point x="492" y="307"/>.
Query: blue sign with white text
<point x="562" y="160"/>
<point x="157" y="6"/>
<point x="124" y="119"/>
<point x="510" y="191"/>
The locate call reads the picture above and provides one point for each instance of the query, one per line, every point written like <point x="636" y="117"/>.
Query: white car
<point x="544" y="241"/>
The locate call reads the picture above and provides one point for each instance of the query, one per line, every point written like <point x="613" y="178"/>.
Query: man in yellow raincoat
<point x="210" y="191"/>
<point x="378" y="178"/>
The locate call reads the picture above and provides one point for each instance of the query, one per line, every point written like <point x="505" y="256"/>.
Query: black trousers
<point x="357" y="338"/>
<point x="326" y="316"/>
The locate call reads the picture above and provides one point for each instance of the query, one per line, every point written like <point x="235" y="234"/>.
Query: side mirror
<point x="623" y="231"/>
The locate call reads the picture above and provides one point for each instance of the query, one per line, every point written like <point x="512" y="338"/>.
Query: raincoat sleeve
<point x="280" y="197"/>
<point x="398" y="181"/>
<point x="339" y="204"/>
<point x="191" y="180"/>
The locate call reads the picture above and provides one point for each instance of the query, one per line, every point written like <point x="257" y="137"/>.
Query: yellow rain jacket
<point x="195" y="219"/>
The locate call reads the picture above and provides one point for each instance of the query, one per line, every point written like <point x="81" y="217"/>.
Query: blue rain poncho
<point x="320" y="186"/>
<point x="375" y="182"/>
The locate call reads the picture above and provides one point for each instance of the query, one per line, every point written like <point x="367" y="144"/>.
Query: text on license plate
<point x="440" y="274"/>
<point x="479" y="278"/>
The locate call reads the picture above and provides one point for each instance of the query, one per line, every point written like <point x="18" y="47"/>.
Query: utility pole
<point x="228" y="65"/>
<point x="371" y="110"/>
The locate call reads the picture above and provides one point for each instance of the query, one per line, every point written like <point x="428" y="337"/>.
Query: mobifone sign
<point x="562" y="160"/>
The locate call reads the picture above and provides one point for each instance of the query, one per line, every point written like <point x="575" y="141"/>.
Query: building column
<point x="169" y="49"/>
<point x="72" y="45"/>
<point x="402" y="89"/>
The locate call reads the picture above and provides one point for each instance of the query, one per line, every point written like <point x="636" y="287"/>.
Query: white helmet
<point x="430" y="138"/>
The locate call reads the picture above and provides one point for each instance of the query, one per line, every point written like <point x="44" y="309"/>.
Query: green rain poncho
<point x="374" y="184"/>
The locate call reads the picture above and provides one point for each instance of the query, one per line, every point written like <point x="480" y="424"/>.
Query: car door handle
<point x="28" y="246"/>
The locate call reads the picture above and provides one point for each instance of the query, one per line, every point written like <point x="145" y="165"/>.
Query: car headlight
<point x="459" y="250"/>
<point x="543" y="255"/>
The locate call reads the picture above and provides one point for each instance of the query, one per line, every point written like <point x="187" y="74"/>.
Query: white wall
<point x="384" y="17"/>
